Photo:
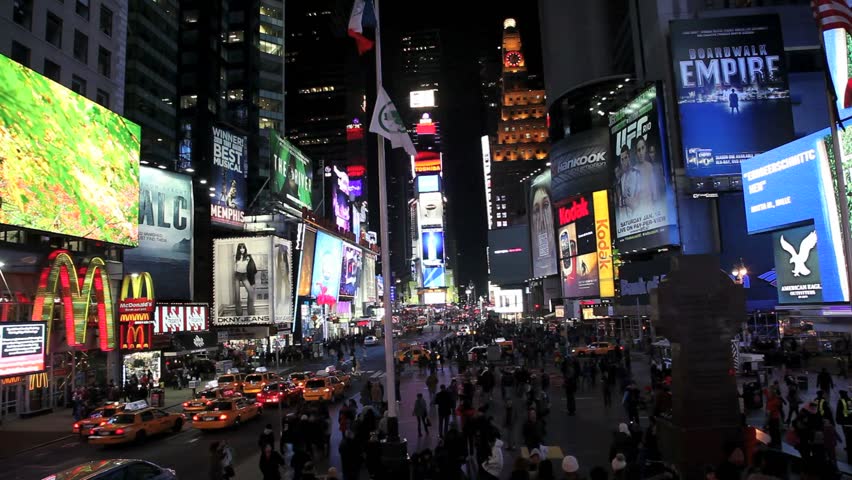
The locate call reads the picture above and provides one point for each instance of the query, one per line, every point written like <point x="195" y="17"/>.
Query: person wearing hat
<point x="619" y="467"/>
<point x="571" y="467"/>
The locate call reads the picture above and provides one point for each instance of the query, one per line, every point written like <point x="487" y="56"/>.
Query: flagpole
<point x="390" y="370"/>
<point x="842" y="195"/>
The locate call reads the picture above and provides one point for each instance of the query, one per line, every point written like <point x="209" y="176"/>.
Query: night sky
<point x="466" y="34"/>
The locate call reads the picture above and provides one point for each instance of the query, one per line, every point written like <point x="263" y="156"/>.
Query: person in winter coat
<point x="444" y="402"/>
<point x="492" y="467"/>
<point x="215" y="471"/>
<point x="421" y="411"/>
<point x="270" y="463"/>
<point x="267" y="437"/>
<point x="532" y="431"/>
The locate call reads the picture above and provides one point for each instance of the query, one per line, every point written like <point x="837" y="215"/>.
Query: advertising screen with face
<point x="340" y="199"/>
<point x="242" y="281"/>
<point x="431" y="210"/>
<point x="69" y="165"/>
<point x="292" y="173"/>
<point x="542" y="230"/>
<point x="350" y="271"/>
<point x="165" y="232"/>
<point x="282" y="280"/>
<point x="306" y="263"/>
<point x="328" y="256"/>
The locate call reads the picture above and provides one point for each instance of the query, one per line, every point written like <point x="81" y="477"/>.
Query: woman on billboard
<point x="543" y="233"/>
<point x="244" y="273"/>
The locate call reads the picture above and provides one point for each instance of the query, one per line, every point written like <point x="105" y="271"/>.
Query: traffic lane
<point x="186" y="452"/>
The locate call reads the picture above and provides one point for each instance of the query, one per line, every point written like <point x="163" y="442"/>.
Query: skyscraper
<point x="520" y="145"/>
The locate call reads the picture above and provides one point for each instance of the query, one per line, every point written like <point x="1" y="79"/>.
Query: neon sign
<point x="576" y="211"/>
<point x="136" y="311"/>
<point x="74" y="290"/>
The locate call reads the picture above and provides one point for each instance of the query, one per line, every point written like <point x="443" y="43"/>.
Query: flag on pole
<point x="832" y="14"/>
<point x="363" y="17"/>
<point x="387" y="123"/>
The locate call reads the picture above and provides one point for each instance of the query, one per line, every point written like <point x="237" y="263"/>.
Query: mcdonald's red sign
<point x="136" y="337"/>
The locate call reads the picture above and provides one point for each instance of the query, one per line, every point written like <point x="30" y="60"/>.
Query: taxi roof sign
<point x="137" y="405"/>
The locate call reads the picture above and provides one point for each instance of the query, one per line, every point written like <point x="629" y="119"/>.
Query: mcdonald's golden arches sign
<point x="136" y="311"/>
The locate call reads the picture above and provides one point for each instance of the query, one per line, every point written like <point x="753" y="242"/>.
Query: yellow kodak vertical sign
<point x="603" y="238"/>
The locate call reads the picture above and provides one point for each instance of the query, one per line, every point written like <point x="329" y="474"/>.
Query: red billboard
<point x="181" y="317"/>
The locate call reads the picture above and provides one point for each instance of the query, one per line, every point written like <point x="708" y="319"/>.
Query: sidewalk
<point x="19" y="435"/>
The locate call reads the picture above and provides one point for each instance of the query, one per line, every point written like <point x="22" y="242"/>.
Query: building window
<point x="52" y="71"/>
<point x="53" y="30"/>
<point x="106" y="21"/>
<point x="104" y="62"/>
<point x="78" y="85"/>
<point x="235" y="95"/>
<point x="190" y="16"/>
<point x="102" y="98"/>
<point x="236" y="36"/>
<point x="82" y="8"/>
<point x="20" y="54"/>
<point x="188" y="101"/>
<point x="22" y="13"/>
<point x="81" y="46"/>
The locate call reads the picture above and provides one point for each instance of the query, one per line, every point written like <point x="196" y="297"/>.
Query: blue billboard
<point x="433" y="247"/>
<point x="228" y="190"/>
<point x="434" y="277"/>
<point x="328" y="261"/>
<point x="792" y="186"/>
<point x="732" y="90"/>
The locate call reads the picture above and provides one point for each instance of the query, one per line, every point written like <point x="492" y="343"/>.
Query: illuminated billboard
<point x="350" y="270"/>
<point x="786" y="188"/>
<point x="427" y="162"/>
<point x="585" y="247"/>
<point x="542" y="231"/>
<point x="328" y="257"/>
<point x="732" y="91"/>
<point x="165" y="232"/>
<point x="486" y="170"/>
<point x="69" y="166"/>
<point x="432" y="243"/>
<point x="22" y="347"/>
<point x="428" y="183"/>
<point x="434" y="277"/>
<point x="506" y="301"/>
<point x="422" y="98"/>
<point x="430" y="210"/>
<point x="434" y="297"/>
<point x="291" y="174"/>
<point x="173" y="317"/>
<point x="228" y="188"/>
<point x="252" y="281"/>
<point x="306" y="263"/>
<point x="580" y="163"/>
<point x="645" y="215"/>
<point x="340" y="199"/>
<point x="509" y="255"/>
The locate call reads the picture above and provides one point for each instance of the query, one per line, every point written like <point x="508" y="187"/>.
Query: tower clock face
<point x="513" y="59"/>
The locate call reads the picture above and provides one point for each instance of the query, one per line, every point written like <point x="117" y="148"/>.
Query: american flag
<point x="831" y="14"/>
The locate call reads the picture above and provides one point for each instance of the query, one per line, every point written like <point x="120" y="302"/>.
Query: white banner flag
<point x="387" y="123"/>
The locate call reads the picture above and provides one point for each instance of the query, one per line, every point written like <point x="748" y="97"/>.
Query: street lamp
<point x="739" y="272"/>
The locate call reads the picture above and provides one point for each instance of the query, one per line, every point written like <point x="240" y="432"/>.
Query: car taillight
<point x="275" y="398"/>
<point x="195" y="418"/>
<point x="102" y="424"/>
<point x="327" y="389"/>
<point x="76" y="425"/>
<point x="621" y="348"/>
<point x="185" y="404"/>
<point x="120" y="431"/>
<point x="223" y="417"/>
<point x="209" y="402"/>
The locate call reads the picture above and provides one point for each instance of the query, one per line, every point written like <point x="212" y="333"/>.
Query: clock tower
<point x="513" y="59"/>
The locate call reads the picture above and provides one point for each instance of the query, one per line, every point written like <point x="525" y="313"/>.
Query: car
<point x="116" y="468"/>
<point x="370" y="341"/>
<point x="593" y="349"/>
<point x="227" y="412"/>
<point x="323" y="388"/>
<point x="136" y="424"/>
<point x="463" y="331"/>
<point x="332" y="371"/>
<point x="477" y="353"/>
<point x="230" y="380"/>
<point x="98" y="417"/>
<point x="206" y="397"/>
<point x="253" y="383"/>
<point x="283" y="392"/>
<point x="412" y="354"/>
<point x="299" y="378"/>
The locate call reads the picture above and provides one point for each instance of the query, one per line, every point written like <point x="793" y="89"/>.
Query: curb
<point x="40" y="445"/>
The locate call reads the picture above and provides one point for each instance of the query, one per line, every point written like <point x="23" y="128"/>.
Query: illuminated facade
<point x="519" y="146"/>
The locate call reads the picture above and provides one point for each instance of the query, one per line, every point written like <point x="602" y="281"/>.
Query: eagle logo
<point x="798" y="258"/>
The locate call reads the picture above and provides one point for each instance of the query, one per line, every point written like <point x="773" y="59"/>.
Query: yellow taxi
<point x="412" y="354"/>
<point x="232" y="381"/>
<point x="98" y="417"/>
<point x="332" y="371"/>
<point x="299" y="378"/>
<point x="253" y="383"/>
<point x="202" y="399"/>
<point x="227" y="412"/>
<point x="136" y="424"/>
<point x="325" y="388"/>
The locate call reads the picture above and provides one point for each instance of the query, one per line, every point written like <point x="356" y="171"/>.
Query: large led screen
<point x="428" y="183"/>
<point x="306" y="263"/>
<point x="292" y="172"/>
<point x="509" y="255"/>
<point x="165" y="233"/>
<point x="787" y="187"/>
<point x="542" y="230"/>
<point x="242" y="278"/>
<point x="228" y="190"/>
<point x="340" y="199"/>
<point x="430" y="211"/>
<point x="434" y="277"/>
<point x="585" y="247"/>
<point x="580" y="163"/>
<point x="22" y="347"/>
<point x="732" y="90"/>
<point x="282" y="280"/>
<point x="328" y="255"/>
<point x="432" y="242"/>
<point x="645" y="215"/>
<point x="350" y="271"/>
<point x="67" y="164"/>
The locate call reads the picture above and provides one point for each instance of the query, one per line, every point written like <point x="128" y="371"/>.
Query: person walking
<point x="492" y="467"/>
<point x="215" y="471"/>
<point x="270" y="463"/>
<point x="825" y="382"/>
<point x="421" y="412"/>
<point x="267" y="437"/>
<point x="444" y="402"/>
<point x="844" y="419"/>
<point x="432" y="385"/>
<point x="226" y="454"/>
<point x="793" y="402"/>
